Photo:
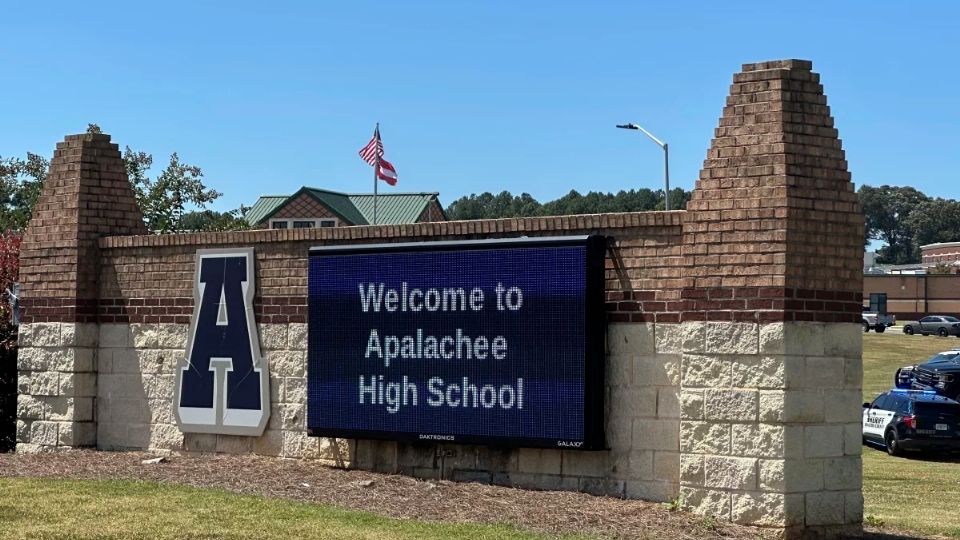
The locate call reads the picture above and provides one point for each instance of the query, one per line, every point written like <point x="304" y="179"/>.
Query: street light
<point x="666" y="160"/>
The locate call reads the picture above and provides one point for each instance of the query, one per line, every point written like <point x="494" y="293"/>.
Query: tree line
<point x="506" y="205"/>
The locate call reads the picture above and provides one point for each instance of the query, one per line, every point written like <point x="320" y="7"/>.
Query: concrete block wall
<point x="135" y="388"/>
<point x="56" y="385"/>
<point x="733" y="365"/>
<point x="770" y="429"/>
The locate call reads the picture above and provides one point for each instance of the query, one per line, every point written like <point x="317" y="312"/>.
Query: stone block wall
<point x="135" y="387"/>
<point x="56" y="385"/>
<point x="733" y="366"/>
<point x="771" y="424"/>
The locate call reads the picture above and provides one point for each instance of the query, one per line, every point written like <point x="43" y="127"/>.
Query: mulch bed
<point x="552" y="512"/>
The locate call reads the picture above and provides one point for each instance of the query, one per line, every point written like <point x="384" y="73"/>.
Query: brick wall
<point x="85" y="196"/>
<point x="940" y="253"/>
<point x="733" y="354"/>
<point x="772" y="221"/>
<point x="150" y="279"/>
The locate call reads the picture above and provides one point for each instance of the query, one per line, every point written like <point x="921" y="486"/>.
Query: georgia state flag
<point x="387" y="173"/>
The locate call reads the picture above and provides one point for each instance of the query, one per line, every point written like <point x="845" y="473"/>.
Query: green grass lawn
<point x="47" y="508"/>
<point x="918" y="494"/>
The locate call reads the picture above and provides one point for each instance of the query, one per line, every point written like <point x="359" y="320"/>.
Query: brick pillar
<point x="773" y="243"/>
<point x="86" y="195"/>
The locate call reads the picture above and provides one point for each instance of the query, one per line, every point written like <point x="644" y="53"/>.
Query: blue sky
<point x="471" y="96"/>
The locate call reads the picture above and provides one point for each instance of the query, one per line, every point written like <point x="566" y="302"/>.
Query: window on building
<point x="302" y="223"/>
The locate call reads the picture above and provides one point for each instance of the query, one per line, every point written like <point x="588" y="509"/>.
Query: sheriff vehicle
<point x="901" y="419"/>
<point x="940" y="373"/>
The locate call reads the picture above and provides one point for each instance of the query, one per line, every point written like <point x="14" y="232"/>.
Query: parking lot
<point x="917" y="493"/>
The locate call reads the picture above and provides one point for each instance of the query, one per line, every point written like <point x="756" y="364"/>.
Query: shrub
<point x="9" y="267"/>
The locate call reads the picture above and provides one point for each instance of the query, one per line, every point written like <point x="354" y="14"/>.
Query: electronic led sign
<point x="495" y="342"/>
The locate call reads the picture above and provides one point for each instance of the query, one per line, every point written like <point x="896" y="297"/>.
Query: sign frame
<point x="594" y="360"/>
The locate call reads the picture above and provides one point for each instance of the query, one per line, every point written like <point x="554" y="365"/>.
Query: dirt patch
<point x="552" y="512"/>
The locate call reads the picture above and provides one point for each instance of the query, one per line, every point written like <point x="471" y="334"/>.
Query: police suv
<point x="903" y="419"/>
<point x="941" y="374"/>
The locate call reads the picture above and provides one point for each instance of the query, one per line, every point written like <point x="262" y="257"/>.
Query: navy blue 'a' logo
<point x="222" y="385"/>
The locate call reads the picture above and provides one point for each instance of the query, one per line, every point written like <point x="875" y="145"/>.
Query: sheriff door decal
<point x="222" y="385"/>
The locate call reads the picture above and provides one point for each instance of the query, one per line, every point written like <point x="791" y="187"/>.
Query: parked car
<point x="942" y="325"/>
<point x="940" y="374"/>
<point x="912" y="420"/>
<point x="877" y="321"/>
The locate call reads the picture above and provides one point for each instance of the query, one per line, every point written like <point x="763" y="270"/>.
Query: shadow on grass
<point x="873" y="535"/>
<point x="926" y="456"/>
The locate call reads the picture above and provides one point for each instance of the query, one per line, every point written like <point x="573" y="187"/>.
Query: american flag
<point x="373" y="150"/>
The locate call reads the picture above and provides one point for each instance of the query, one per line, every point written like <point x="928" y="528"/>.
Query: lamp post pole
<point x="666" y="160"/>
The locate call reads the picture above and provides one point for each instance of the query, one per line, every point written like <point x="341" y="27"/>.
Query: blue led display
<point x="468" y="342"/>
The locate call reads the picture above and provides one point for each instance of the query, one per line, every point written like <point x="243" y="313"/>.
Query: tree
<point x="9" y="272"/>
<point x="887" y="211"/>
<point x="9" y="268"/>
<point x="20" y="182"/>
<point x="679" y="198"/>
<point x="489" y="206"/>
<point x="164" y="199"/>
<point x="211" y="220"/>
<point x="934" y="220"/>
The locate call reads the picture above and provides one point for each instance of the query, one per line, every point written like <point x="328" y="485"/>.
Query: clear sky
<point x="471" y="96"/>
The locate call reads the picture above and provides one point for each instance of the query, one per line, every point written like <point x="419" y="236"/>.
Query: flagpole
<point x="376" y="170"/>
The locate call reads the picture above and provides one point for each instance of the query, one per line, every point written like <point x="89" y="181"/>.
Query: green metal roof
<point x="392" y="208"/>
<point x="340" y="204"/>
<point x="353" y="208"/>
<point x="265" y="205"/>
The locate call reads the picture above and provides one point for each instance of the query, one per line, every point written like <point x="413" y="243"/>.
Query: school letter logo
<point x="222" y="385"/>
